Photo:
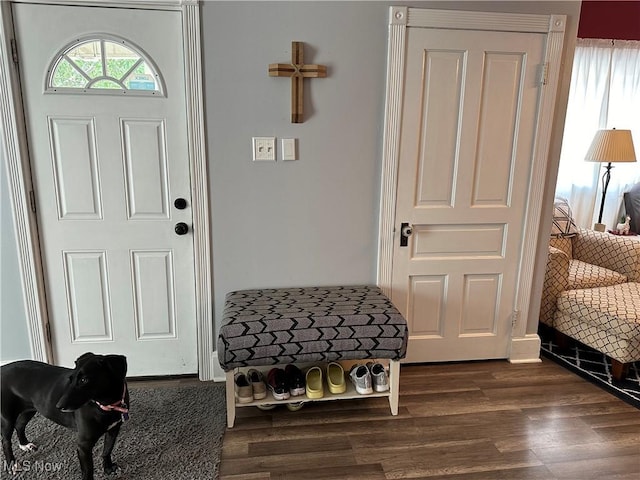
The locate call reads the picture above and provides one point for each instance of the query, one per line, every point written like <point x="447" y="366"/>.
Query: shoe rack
<point x="393" y="367"/>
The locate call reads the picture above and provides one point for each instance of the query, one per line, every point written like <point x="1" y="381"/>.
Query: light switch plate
<point x="289" y="149"/>
<point x="264" y="149"/>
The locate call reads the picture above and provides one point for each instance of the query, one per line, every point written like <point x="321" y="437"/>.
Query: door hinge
<point x="14" y="50"/>
<point x="48" y="331"/>
<point x="32" y="200"/>
<point x="544" y="73"/>
<point x="515" y="318"/>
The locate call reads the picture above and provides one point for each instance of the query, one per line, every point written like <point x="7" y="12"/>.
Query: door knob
<point x="181" y="228"/>
<point x="180" y="203"/>
<point x="406" y="230"/>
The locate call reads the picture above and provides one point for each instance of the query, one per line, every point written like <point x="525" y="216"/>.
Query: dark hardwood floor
<point x="464" y="421"/>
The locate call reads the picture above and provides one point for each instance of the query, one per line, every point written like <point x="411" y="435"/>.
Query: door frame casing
<point x="524" y="347"/>
<point x="22" y="191"/>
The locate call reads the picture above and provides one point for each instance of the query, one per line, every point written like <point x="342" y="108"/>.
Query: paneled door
<point x="466" y="147"/>
<point x="104" y="95"/>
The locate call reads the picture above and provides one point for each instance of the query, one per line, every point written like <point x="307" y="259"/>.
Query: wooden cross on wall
<point x="298" y="71"/>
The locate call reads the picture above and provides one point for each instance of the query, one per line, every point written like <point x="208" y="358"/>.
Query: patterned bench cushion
<point x="615" y="308"/>
<point x="289" y="325"/>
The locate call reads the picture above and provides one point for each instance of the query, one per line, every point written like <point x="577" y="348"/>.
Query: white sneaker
<point x="243" y="390"/>
<point x="379" y="376"/>
<point x="258" y="385"/>
<point x="361" y="378"/>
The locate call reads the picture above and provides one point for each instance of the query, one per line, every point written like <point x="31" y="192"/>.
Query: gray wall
<point x="312" y="221"/>
<point x="315" y="220"/>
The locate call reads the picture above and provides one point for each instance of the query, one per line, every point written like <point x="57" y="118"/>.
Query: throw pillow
<point x="632" y="207"/>
<point x="563" y="224"/>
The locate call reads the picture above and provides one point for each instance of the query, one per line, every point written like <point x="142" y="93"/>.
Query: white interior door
<point x="466" y="150"/>
<point x="107" y="168"/>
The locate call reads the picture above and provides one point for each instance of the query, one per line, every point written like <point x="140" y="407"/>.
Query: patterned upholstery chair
<point x="579" y="258"/>
<point x="604" y="318"/>
<point x="591" y="290"/>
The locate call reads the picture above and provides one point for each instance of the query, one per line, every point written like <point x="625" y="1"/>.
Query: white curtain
<point x="604" y="94"/>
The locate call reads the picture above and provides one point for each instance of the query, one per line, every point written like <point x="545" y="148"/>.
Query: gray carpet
<point x="174" y="432"/>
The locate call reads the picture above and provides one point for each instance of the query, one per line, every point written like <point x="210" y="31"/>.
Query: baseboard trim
<point x="217" y="374"/>
<point x="525" y="349"/>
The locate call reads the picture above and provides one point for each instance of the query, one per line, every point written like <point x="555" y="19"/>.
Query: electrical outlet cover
<point x="264" y="149"/>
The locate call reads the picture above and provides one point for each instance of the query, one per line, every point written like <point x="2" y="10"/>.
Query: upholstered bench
<point x="606" y="319"/>
<point x="310" y="325"/>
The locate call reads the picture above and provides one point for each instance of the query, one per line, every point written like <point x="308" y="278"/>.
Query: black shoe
<point x="295" y="379"/>
<point x="277" y="384"/>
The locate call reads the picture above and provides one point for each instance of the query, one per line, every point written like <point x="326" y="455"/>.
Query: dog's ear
<point x="117" y="364"/>
<point x="83" y="358"/>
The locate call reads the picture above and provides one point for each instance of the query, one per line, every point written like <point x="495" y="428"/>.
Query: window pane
<point x="117" y="67"/>
<point x="141" y="81"/>
<point x="119" y="59"/>
<point x="67" y="76"/>
<point x="106" y="83"/>
<point x="93" y="68"/>
<point x="88" y="56"/>
<point x="108" y="64"/>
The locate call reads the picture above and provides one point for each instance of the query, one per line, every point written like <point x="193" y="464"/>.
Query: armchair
<point x="587" y="259"/>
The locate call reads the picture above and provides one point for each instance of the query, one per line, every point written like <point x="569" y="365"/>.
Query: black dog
<point x="91" y="399"/>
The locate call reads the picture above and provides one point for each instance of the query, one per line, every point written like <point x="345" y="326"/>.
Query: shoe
<point x="379" y="377"/>
<point x="277" y="383"/>
<point x="314" y="383"/>
<point x="335" y="378"/>
<point x="295" y="379"/>
<point x="361" y="378"/>
<point x="295" y="406"/>
<point x="244" y="393"/>
<point x="258" y="386"/>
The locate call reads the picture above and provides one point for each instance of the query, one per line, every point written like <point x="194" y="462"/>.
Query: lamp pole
<point x="606" y="176"/>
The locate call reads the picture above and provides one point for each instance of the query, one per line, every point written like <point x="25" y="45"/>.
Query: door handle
<point x="180" y="203"/>
<point x="181" y="228"/>
<point x="406" y="230"/>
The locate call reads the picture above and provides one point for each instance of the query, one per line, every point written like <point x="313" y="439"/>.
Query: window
<point x="103" y="65"/>
<point x="604" y="94"/>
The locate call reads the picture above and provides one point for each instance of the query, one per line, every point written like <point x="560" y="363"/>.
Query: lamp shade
<point x="611" y="146"/>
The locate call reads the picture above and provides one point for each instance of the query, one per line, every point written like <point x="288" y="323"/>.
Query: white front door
<point x="466" y="150"/>
<point x="107" y="168"/>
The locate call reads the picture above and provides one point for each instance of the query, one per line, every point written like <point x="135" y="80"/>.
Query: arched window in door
<point x="103" y="64"/>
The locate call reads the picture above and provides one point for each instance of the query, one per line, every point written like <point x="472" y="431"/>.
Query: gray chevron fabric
<point x="290" y="325"/>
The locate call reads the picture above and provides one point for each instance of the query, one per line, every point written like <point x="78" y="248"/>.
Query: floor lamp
<point x="609" y="146"/>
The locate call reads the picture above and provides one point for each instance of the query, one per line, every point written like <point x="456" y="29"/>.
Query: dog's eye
<point x="83" y="380"/>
